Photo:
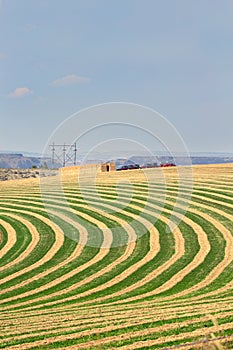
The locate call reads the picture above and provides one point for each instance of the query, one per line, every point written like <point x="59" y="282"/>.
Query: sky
<point x="59" y="57"/>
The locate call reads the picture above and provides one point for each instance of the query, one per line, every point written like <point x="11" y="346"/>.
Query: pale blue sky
<point x="175" y="56"/>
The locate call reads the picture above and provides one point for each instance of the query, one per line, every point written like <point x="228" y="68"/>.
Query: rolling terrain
<point x="102" y="265"/>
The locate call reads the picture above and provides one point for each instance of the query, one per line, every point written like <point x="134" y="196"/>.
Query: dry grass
<point x="92" y="322"/>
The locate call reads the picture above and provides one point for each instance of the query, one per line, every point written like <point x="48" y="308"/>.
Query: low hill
<point x="26" y="161"/>
<point x="18" y="160"/>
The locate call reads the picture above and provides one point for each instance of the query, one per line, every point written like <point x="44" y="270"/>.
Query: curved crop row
<point x="131" y="266"/>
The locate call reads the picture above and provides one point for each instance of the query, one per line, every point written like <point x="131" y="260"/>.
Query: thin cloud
<point x="20" y="92"/>
<point x="71" y="79"/>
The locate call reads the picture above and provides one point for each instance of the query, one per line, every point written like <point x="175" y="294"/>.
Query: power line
<point x="63" y="154"/>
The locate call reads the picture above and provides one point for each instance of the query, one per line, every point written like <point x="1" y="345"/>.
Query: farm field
<point x="97" y="268"/>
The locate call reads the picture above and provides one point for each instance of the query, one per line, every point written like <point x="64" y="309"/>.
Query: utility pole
<point x="63" y="154"/>
<point x="53" y="155"/>
<point x="75" y="153"/>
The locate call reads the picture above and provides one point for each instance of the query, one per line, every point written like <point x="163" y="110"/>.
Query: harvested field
<point x="103" y="266"/>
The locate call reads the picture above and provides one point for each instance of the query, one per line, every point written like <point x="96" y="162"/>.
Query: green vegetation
<point x="164" y="289"/>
